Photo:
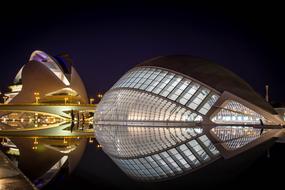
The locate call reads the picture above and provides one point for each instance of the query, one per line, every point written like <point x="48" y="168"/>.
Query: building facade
<point x="172" y="115"/>
<point x="46" y="91"/>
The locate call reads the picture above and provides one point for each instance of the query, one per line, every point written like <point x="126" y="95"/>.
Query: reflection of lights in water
<point x="99" y="146"/>
<point x="50" y="174"/>
<point x="13" y="151"/>
<point x="48" y="149"/>
<point x="35" y="141"/>
<point x="68" y="149"/>
<point x="91" y="140"/>
<point x="11" y="147"/>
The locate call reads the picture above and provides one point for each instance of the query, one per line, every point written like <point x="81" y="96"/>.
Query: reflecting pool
<point x="45" y="149"/>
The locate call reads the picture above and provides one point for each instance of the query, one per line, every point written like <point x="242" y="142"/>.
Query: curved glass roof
<point x="211" y="74"/>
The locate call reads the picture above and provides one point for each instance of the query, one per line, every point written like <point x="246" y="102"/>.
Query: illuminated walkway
<point x="10" y="176"/>
<point x="62" y="110"/>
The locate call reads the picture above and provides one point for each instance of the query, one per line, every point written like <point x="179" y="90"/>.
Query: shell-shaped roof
<point x="211" y="74"/>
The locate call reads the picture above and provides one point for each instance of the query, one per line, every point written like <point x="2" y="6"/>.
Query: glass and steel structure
<point x="158" y="121"/>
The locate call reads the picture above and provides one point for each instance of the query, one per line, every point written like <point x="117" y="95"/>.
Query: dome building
<point x="173" y="115"/>
<point x="53" y="78"/>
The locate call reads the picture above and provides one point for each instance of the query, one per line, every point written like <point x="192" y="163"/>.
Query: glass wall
<point x="236" y="113"/>
<point x="171" y="86"/>
<point x="130" y="141"/>
<point x="234" y="137"/>
<point x="182" y="158"/>
<point x="130" y="105"/>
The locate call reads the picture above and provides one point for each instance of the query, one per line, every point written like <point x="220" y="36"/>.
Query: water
<point x="43" y="147"/>
<point x="76" y="162"/>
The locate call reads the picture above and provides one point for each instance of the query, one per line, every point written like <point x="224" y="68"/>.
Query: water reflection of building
<point x="46" y="117"/>
<point x="41" y="159"/>
<point x="170" y="116"/>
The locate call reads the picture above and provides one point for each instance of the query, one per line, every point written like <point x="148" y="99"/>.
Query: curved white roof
<point x="49" y="62"/>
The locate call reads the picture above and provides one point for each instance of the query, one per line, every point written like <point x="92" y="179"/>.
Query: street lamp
<point x="37" y="97"/>
<point x="100" y="95"/>
<point x="35" y="141"/>
<point x="5" y="99"/>
<point x="65" y="100"/>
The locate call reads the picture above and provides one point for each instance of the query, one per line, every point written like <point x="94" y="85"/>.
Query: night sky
<point x="107" y="39"/>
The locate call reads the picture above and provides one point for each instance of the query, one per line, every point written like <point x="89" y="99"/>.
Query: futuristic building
<point x="173" y="115"/>
<point x="45" y="91"/>
<point x="51" y="79"/>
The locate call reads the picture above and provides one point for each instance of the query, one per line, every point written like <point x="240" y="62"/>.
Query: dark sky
<point x="105" y="40"/>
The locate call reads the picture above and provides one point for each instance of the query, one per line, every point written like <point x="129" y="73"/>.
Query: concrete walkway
<point x="11" y="178"/>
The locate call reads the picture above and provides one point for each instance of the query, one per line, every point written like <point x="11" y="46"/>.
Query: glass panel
<point x="208" y="104"/>
<point x="204" y="139"/>
<point x="152" y="76"/>
<point x="170" y="86"/>
<point x="234" y="112"/>
<point x="179" y="158"/>
<point x="162" y="164"/>
<point x="156" y="81"/>
<point x="200" y="151"/>
<point x="235" y="136"/>
<point x="198" y="98"/>
<point x="163" y="83"/>
<point x="188" y="93"/>
<point x="179" y="89"/>
<point x="173" y="164"/>
<point x="188" y="154"/>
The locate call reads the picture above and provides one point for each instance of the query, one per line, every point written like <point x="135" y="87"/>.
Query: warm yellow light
<point x="37" y="94"/>
<point x="91" y="100"/>
<point x="65" y="100"/>
<point x="35" y="141"/>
